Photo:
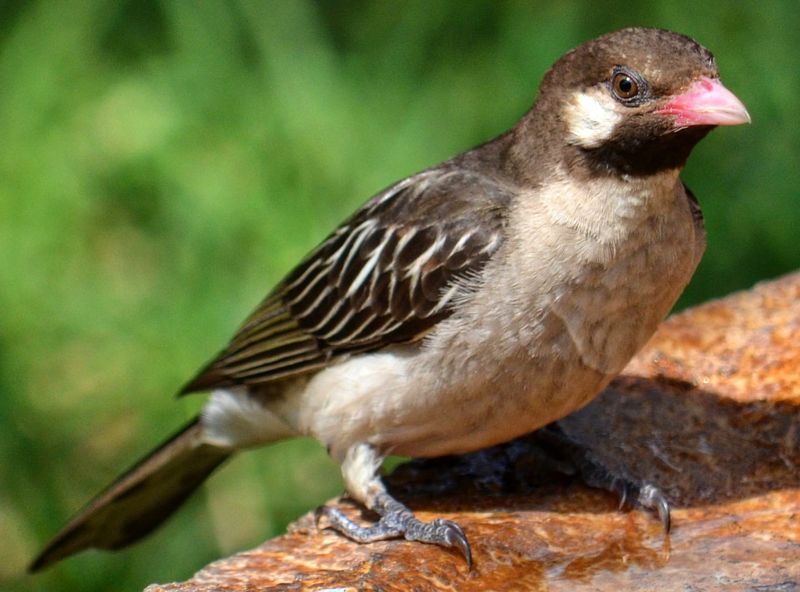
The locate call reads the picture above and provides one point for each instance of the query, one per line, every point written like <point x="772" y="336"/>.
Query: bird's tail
<point x="141" y="499"/>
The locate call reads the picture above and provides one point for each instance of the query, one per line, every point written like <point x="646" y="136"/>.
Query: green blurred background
<point x="162" y="164"/>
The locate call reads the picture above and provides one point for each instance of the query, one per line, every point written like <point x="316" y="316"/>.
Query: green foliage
<point x="162" y="164"/>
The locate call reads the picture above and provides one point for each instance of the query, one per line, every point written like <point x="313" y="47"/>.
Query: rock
<point x="707" y="412"/>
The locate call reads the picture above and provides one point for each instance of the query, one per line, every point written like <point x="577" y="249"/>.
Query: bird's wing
<point x="387" y="275"/>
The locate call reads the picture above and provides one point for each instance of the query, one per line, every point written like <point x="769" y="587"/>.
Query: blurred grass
<point x="162" y="164"/>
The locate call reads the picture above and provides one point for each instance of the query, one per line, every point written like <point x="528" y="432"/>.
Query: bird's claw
<point x="652" y="498"/>
<point x="645" y="496"/>
<point x="453" y="536"/>
<point x="444" y="533"/>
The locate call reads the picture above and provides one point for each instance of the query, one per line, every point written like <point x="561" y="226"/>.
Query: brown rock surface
<point x="708" y="412"/>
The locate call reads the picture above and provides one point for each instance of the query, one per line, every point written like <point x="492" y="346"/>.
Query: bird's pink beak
<point x="707" y="102"/>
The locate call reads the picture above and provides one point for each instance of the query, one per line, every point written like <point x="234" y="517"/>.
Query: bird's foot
<point x="594" y="473"/>
<point x="397" y="521"/>
<point x="643" y="495"/>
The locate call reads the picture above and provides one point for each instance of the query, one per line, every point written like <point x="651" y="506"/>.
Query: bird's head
<point x="635" y="101"/>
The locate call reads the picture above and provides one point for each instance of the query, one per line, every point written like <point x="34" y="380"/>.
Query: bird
<point x="465" y="305"/>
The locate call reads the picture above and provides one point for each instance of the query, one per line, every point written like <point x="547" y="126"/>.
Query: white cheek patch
<point x="591" y="117"/>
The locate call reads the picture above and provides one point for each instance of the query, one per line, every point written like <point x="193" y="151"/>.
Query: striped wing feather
<point x="387" y="275"/>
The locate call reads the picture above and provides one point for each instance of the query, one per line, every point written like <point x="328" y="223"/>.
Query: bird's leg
<point x="360" y="471"/>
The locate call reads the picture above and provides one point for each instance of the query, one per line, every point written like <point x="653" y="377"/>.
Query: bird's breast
<point x="595" y="267"/>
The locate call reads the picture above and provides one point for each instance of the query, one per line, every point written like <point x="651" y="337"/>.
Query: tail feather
<point x="141" y="499"/>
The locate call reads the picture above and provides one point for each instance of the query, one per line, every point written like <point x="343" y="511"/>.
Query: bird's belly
<point x="418" y="402"/>
<point x="520" y="394"/>
<point x="508" y="387"/>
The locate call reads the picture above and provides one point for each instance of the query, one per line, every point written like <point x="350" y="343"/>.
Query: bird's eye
<point x="624" y="86"/>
